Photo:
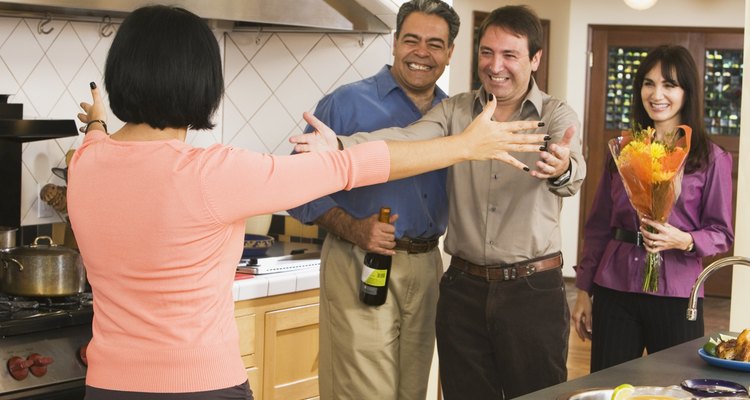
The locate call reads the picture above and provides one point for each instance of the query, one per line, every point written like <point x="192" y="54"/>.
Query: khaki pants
<point x="380" y="352"/>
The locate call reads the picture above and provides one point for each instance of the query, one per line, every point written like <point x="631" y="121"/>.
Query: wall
<point x="739" y="318"/>
<point x="270" y="80"/>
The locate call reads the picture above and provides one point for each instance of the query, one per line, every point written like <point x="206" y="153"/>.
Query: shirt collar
<point x="386" y="84"/>
<point x="534" y="98"/>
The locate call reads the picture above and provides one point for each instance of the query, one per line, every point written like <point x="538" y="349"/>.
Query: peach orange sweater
<point x="160" y="228"/>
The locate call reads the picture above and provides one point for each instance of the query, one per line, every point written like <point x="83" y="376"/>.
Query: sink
<point x="670" y="392"/>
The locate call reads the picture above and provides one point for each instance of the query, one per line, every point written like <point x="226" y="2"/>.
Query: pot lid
<point x="40" y="249"/>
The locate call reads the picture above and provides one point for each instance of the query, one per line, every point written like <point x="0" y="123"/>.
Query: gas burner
<point x="14" y="304"/>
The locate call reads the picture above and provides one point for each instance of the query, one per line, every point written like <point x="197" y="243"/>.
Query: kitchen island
<point x="664" y="368"/>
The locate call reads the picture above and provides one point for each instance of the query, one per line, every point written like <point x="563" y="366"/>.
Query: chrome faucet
<point x="692" y="311"/>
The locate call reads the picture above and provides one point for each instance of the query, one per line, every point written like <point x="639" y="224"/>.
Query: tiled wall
<point x="271" y="78"/>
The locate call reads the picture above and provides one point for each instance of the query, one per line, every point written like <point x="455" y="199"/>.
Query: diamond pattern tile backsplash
<point x="271" y="79"/>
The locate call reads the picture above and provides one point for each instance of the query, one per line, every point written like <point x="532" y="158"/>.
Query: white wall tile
<point x="325" y="63"/>
<point x="67" y="53"/>
<point x="246" y="138"/>
<point x="353" y="45"/>
<point x="21" y="52"/>
<point x="273" y="62"/>
<point x="299" y="93"/>
<point x="7" y="25"/>
<point x="248" y="92"/>
<point x="374" y="56"/>
<point x="300" y="44"/>
<point x="51" y="29"/>
<point x="44" y="87"/>
<point x="272" y="123"/>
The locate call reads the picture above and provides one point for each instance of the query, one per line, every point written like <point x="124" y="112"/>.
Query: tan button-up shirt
<point x="498" y="214"/>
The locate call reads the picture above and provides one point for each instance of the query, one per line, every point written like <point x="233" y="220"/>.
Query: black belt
<point x="509" y="272"/>
<point x="412" y="246"/>
<point x="629" y="236"/>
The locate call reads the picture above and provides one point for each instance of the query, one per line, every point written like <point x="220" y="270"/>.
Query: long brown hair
<point x="678" y="68"/>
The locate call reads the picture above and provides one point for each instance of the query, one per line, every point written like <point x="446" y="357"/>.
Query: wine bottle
<point x="373" y="288"/>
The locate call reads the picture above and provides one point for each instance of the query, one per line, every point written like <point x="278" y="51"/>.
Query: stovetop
<point x="23" y="315"/>
<point x="50" y="331"/>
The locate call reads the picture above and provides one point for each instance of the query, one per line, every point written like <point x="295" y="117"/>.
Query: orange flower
<point x="651" y="172"/>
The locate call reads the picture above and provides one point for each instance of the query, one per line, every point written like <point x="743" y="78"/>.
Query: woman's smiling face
<point x="663" y="98"/>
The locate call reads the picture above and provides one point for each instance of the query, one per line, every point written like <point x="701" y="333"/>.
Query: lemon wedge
<point x="623" y="392"/>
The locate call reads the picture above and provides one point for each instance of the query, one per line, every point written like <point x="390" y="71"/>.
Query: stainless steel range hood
<point x="377" y="16"/>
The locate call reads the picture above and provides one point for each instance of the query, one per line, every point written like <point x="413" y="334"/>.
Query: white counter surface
<point x="278" y="283"/>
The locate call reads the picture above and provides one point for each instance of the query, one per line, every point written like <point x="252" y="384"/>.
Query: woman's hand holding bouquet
<point x="651" y="171"/>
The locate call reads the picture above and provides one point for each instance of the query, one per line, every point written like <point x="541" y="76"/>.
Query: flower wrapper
<point x="651" y="172"/>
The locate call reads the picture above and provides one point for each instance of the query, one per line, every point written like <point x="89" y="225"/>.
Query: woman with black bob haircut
<point x="161" y="74"/>
<point x="160" y="224"/>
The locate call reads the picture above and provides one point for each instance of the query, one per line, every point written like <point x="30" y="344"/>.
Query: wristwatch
<point x="562" y="179"/>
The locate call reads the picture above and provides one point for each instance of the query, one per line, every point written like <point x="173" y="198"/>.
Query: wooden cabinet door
<point x="290" y="366"/>
<point x="605" y="83"/>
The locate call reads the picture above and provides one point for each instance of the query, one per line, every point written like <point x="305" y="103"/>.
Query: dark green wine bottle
<point x="373" y="288"/>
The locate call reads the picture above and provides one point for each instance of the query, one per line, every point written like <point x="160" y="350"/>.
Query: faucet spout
<point x="692" y="311"/>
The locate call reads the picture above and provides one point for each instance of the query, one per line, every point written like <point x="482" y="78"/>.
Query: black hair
<point x="430" y="7"/>
<point x="678" y="68"/>
<point x="520" y="20"/>
<point x="164" y="69"/>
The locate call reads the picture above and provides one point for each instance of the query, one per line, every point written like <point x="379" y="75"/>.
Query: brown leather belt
<point x="509" y="272"/>
<point x="412" y="246"/>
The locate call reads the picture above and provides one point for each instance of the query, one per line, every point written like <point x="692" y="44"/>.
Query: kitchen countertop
<point x="664" y="368"/>
<point x="265" y="285"/>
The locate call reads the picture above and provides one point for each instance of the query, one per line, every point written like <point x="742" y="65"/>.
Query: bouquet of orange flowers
<point x="651" y="172"/>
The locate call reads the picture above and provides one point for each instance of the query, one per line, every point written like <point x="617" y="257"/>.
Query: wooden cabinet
<point x="279" y="345"/>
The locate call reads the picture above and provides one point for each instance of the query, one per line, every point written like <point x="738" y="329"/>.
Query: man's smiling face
<point x="421" y="52"/>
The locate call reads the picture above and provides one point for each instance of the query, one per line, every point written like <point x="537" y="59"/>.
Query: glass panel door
<point x="722" y="91"/>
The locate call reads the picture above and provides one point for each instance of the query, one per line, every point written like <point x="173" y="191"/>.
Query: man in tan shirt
<point x="503" y="319"/>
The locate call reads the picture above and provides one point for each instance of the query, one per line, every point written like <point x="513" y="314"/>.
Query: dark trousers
<point x="624" y="324"/>
<point x="501" y="339"/>
<point x="239" y="392"/>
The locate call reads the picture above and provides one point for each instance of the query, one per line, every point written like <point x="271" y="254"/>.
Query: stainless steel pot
<point x="41" y="270"/>
<point x="7" y="237"/>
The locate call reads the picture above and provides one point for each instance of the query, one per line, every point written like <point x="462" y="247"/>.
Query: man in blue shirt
<point x="385" y="352"/>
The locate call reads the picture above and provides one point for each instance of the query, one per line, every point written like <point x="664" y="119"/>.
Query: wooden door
<point x="614" y="54"/>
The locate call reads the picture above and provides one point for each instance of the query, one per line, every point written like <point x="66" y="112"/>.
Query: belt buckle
<point x="639" y="239"/>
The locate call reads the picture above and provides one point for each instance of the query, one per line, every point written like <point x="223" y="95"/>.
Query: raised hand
<point x="493" y="140"/>
<point x="321" y="139"/>
<point x="95" y="111"/>
<point x="556" y="160"/>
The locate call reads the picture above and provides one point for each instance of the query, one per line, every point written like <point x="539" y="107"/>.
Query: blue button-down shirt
<point x="364" y="106"/>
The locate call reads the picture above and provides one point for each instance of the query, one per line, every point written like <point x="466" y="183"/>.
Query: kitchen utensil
<point x="61" y="173"/>
<point x="7" y="237"/>
<point x="713" y="388"/>
<point x="41" y="270"/>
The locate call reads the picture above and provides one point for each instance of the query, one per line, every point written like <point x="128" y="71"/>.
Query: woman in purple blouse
<point x="612" y="310"/>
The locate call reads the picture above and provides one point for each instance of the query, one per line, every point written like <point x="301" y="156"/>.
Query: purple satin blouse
<point x="703" y="209"/>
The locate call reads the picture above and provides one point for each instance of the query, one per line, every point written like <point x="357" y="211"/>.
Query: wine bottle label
<point x="374" y="277"/>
